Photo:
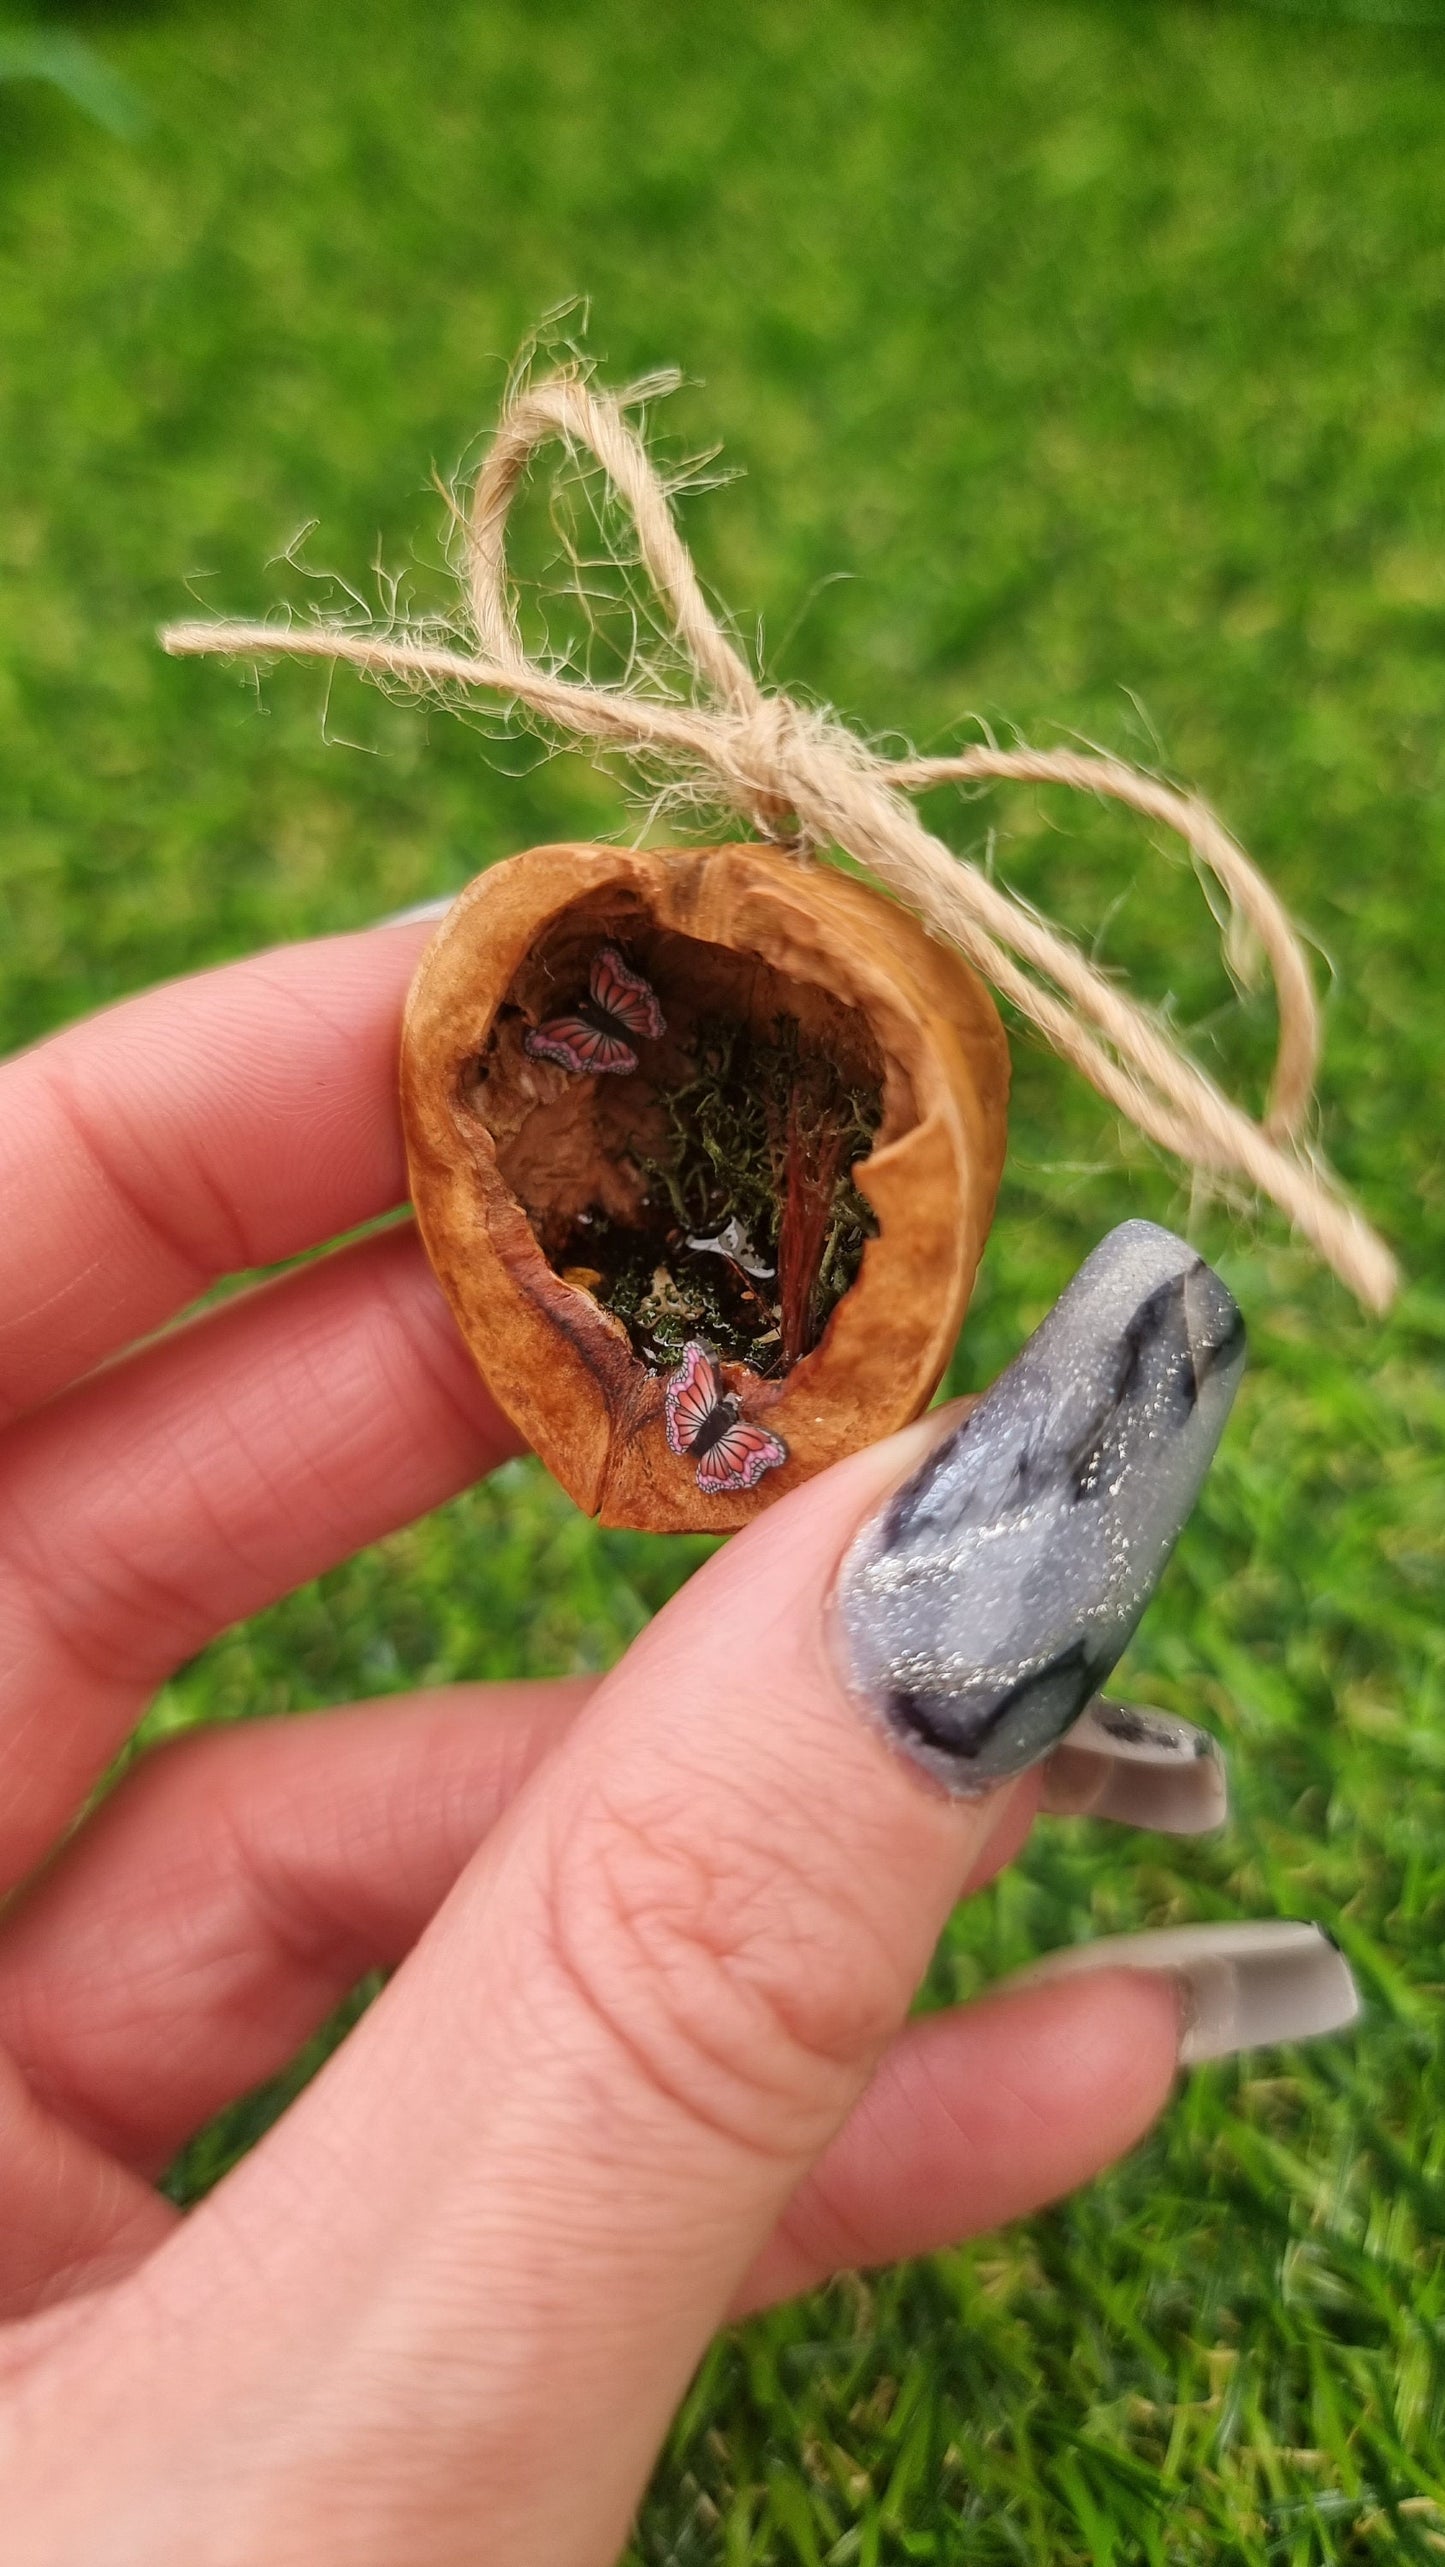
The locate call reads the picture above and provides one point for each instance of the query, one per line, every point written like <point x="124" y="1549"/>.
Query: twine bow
<point x="799" y="775"/>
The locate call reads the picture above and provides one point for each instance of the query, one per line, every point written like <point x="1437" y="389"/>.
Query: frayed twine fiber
<point x="802" y="778"/>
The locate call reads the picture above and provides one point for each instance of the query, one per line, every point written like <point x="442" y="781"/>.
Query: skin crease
<point x="644" y="2061"/>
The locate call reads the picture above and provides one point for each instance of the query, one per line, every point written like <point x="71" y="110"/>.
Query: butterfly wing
<point x="575" y="1045"/>
<point x="739" y="1458"/>
<point x="691" y="1395"/>
<point x="552" y="1041"/>
<point x="626" y="995"/>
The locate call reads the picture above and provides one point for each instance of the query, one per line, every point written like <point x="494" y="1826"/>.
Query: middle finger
<point x="208" y="1918"/>
<point x="200" y="1479"/>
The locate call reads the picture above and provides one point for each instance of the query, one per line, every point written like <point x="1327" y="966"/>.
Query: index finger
<point x="224" y="1122"/>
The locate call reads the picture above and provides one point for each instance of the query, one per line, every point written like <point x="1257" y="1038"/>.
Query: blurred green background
<point x="1085" y="365"/>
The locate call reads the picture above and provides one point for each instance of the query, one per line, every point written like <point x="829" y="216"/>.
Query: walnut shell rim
<point x="554" y="1359"/>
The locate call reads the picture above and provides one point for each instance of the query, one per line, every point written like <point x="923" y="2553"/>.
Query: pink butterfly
<point x="703" y="1419"/>
<point x="623" y="999"/>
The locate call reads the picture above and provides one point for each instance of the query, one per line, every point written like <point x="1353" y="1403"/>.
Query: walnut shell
<point x="506" y="1150"/>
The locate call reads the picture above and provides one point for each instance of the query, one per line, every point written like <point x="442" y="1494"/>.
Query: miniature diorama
<point x="704" y="1147"/>
<point x="704" y="1142"/>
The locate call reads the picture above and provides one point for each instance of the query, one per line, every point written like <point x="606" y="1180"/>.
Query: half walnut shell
<point x="798" y="1173"/>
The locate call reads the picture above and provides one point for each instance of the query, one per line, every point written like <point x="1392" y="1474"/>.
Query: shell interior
<point x="710" y="1193"/>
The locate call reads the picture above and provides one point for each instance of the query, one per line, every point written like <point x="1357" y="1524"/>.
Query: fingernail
<point x="983" y="1606"/>
<point x="1240" y="1985"/>
<point x="422" y="909"/>
<point x="1140" y="1768"/>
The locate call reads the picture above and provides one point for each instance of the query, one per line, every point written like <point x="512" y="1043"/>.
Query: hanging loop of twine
<point x="802" y="777"/>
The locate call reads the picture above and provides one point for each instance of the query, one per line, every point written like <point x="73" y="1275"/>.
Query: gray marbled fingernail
<point x="985" y="1604"/>
<point x="1139" y="1767"/>
<point x="1240" y="1985"/>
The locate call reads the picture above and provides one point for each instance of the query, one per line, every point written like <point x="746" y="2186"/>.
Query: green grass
<point x="1099" y="348"/>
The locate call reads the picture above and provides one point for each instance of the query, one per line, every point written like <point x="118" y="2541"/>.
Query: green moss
<point x="731" y="1165"/>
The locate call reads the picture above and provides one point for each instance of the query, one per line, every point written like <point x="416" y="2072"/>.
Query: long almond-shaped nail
<point x="985" y="1604"/>
<point x="1240" y="1985"/>
<point x="1139" y="1767"/>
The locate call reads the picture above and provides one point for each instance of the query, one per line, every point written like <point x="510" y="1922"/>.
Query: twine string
<point x="804" y="779"/>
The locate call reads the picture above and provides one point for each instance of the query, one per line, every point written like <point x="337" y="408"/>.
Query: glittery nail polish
<point x="981" y="1609"/>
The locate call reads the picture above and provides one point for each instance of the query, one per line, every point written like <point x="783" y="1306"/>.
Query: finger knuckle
<point x="742" y="1971"/>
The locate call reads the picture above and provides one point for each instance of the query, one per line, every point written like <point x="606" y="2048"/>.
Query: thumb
<point x="526" y="2191"/>
<point x="501" y="2227"/>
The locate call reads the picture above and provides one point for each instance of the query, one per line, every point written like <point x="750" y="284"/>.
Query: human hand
<point x="643" y="2062"/>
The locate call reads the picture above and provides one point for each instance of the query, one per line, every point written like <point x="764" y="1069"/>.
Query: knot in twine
<point x="805" y="780"/>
